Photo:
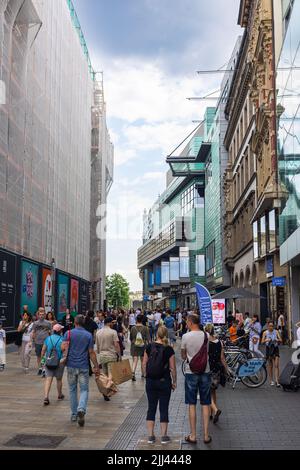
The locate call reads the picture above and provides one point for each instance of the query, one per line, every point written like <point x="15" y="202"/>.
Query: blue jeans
<point x="80" y="376"/>
<point x="198" y="383"/>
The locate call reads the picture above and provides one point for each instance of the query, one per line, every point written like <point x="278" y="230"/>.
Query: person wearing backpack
<point x="52" y="354"/>
<point x="194" y="350"/>
<point x="139" y="338"/>
<point x="159" y="364"/>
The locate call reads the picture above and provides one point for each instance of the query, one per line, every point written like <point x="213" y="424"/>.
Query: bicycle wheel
<point x="257" y="380"/>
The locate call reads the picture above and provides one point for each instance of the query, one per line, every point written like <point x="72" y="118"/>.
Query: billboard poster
<point x="47" y="290"/>
<point x="219" y="316"/>
<point x="74" y="304"/>
<point x="62" y="295"/>
<point x="29" y="286"/>
<point x="8" y="280"/>
<point x="84" y="295"/>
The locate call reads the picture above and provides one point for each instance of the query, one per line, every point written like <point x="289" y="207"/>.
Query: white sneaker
<point x="272" y="384"/>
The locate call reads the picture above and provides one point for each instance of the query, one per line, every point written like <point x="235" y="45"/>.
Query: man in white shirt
<point x="132" y="320"/>
<point x="247" y="322"/>
<point x="196" y="383"/>
<point x="157" y="318"/>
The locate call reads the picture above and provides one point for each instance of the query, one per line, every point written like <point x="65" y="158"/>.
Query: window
<point x="200" y="265"/>
<point x="272" y="230"/>
<point x="210" y="256"/>
<point x="263" y="237"/>
<point x="255" y="240"/>
<point x="184" y="264"/>
<point x="174" y="269"/>
<point x="192" y="197"/>
<point x="165" y="272"/>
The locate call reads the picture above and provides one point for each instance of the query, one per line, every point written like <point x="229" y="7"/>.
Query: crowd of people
<point x="87" y="344"/>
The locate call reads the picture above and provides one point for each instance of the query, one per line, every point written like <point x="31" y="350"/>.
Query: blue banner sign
<point x="250" y="368"/>
<point x="279" y="281"/>
<point x="204" y="303"/>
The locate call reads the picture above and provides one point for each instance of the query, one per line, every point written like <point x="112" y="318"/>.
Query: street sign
<point x="279" y="281"/>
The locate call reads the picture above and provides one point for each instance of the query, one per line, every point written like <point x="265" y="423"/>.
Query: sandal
<point x="208" y="441"/>
<point x="46" y="401"/>
<point x="61" y="397"/>
<point x="216" y="417"/>
<point x="189" y="440"/>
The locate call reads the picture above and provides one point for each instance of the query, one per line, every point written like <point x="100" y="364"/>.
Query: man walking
<point x="108" y="346"/>
<point x="79" y="346"/>
<point x="40" y="331"/>
<point x="192" y="343"/>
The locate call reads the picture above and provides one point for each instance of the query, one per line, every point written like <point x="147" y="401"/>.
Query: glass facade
<point x="165" y="272"/>
<point x="288" y="108"/>
<point x="174" y="269"/>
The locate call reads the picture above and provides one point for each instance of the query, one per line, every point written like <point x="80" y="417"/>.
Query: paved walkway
<point x="266" y="418"/>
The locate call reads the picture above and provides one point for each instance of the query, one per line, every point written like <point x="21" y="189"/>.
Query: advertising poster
<point x="29" y="286"/>
<point x="47" y="290"/>
<point x="63" y="295"/>
<point x="74" y="305"/>
<point x="219" y="316"/>
<point x="8" y="281"/>
<point x="84" y="296"/>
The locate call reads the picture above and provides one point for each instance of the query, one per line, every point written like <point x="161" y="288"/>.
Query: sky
<point x="149" y="52"/>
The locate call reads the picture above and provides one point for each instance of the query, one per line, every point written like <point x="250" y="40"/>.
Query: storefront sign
<point x="8" y="281"/>
<point x="204" y="303"/>
<point x="29" y="286"/>
<point x="218" y="311"/>
<point x="279" y="281"/>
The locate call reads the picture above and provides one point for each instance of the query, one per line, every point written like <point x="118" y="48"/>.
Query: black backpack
<point x="52" y="361"/>
<point x="156" y="365"/>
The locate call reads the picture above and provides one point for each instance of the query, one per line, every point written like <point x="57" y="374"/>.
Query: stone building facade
<point x="253" y="195"/>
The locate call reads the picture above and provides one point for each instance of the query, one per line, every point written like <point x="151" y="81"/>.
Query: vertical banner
<point x="29" y="286"/>
<point x="204" y="303"/>
<point x="219" y="317"/>
<point x="8" y="281"/>
<point x="74" y="304"/>
<point x="47" y="290"/>
<point x="62" y="295"/>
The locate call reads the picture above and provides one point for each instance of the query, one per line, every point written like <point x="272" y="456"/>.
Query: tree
<point x="117" y="291"/>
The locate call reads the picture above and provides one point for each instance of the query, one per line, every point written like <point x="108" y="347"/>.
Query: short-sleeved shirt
<point x="42" y="329"/>
<point x="169" y="322"/>
<point x="105" y="342"/>
<point x="192" y="343"/>
<point x="167" y="354"/>
<point x="132" y="320"/>
<point x="80" y="343"/>
<point x="233" y="333"/>
<point x="255" y="330"/>
<point x="54" y="341"/>
<point x="157" y="317"/>
<point x="90" y="326"/>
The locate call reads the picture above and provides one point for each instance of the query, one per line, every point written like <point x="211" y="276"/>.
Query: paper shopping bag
<point x="121" y="371"/>
<point x="106" y="386"/>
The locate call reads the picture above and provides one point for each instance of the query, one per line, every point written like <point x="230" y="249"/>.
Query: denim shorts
<point x="195" y="384"/>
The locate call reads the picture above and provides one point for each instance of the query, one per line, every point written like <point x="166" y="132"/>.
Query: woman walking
<point x="25" y="328"/>
<point x="51" y="318"/>
<point x="161" y="379"/>
<point x="218" y="366"/>
<point x="54" y="342"/>
<point x="139" y="338"/>
<point x="254" y="339"/>
<point x="271" y="338"/>
<point x="170" y="325"/>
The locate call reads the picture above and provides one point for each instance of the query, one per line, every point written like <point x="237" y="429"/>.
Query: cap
<point x="58" y="327"/>
<point x="108" y="320"/>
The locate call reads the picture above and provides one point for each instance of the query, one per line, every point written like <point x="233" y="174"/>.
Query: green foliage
<point x="117" y="291"/>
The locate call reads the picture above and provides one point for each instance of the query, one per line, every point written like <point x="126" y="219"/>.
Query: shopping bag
<point x="105" y="385"/>
<point x="121" y="371"/>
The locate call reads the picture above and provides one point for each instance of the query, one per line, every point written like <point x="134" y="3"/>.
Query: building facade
<point x="172" y="257"/>
<point x="253" y="193"/>
<point x="288" y="114"/>
<point x="48" y="85"/>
